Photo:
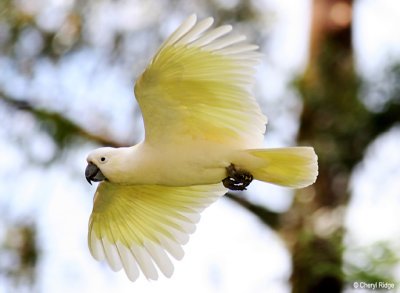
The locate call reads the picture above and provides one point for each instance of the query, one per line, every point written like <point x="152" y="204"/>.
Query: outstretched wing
<point x="137" y="227"/>
<point x="197" y="87"/>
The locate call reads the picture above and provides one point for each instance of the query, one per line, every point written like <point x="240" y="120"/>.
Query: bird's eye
<point x="102" y="159"/>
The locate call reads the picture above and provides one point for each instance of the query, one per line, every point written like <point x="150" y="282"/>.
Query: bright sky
<point x="231" y="251"/>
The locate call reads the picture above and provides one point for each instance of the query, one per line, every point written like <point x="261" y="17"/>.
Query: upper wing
<point x="133" y="226"/>
<point x="198" y="87"/>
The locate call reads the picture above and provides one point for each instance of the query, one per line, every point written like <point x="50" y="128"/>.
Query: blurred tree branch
<point x="266" y="216"/>
<point x="57" y="125"/>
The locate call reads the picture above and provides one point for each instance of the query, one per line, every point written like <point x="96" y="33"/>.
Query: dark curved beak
<point x="93" y="173"/>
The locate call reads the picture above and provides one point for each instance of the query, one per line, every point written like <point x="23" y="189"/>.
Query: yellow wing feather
<point x="198" y="87"/>
<point x="134" y="226"/>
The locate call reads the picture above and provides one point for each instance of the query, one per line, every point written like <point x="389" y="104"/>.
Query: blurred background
<point x="330" y="78"/>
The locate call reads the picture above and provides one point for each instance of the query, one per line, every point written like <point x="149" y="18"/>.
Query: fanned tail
<point x="295" y="167"/>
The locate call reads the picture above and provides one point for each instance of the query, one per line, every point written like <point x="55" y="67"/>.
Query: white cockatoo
<point x="203" y="135"/>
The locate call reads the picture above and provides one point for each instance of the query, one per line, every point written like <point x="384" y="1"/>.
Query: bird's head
<point x="102" y="163"/>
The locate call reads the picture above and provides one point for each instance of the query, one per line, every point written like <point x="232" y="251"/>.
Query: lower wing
<point x="137" y="227"/>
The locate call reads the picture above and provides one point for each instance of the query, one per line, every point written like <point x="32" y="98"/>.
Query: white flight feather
<point x="250" y="58"/>
<point x="172" y="247"/>
<point x="241" y="48"/>
<point x="160" y="258"/>
<point x="112" y="255"/>
<point x="96" y="247"/>
<point x="128" y="261"/>
<point x="211" y="36"/>
<point x="193" y="34"/>
<point x="179" y="236"/>
<point x="186" y="227"/>
<point x="185" y="27"/>
<point x="144" y="261"/>
<point x="224" y="42"/>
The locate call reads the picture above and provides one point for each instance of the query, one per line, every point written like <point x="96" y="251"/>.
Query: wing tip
<point x="208" y="37"/>
<point x="128" y="261"/>
<point x="95" y="246"/>
<point x="160" y="257"/>
<point x="148" y="252"/>
<point x="191" y="18"/>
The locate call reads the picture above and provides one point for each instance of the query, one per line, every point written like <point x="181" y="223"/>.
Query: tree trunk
<point x="313" y="226"/>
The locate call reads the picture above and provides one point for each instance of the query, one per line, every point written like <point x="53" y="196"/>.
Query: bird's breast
<point x="178" y="165"/>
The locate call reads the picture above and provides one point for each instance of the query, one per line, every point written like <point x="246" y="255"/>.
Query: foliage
<point x="374" y="263"/>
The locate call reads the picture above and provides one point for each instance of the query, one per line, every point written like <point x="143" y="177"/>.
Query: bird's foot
<point x="237" y="179"/>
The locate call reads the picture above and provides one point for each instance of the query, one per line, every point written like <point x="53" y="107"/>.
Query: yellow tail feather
<point x="294" y="167"/>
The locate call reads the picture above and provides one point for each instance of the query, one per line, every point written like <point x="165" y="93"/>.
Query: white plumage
<point x="200" y="116"/>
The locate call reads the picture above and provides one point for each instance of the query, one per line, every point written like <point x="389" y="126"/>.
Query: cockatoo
<point x="203" y="135"/>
